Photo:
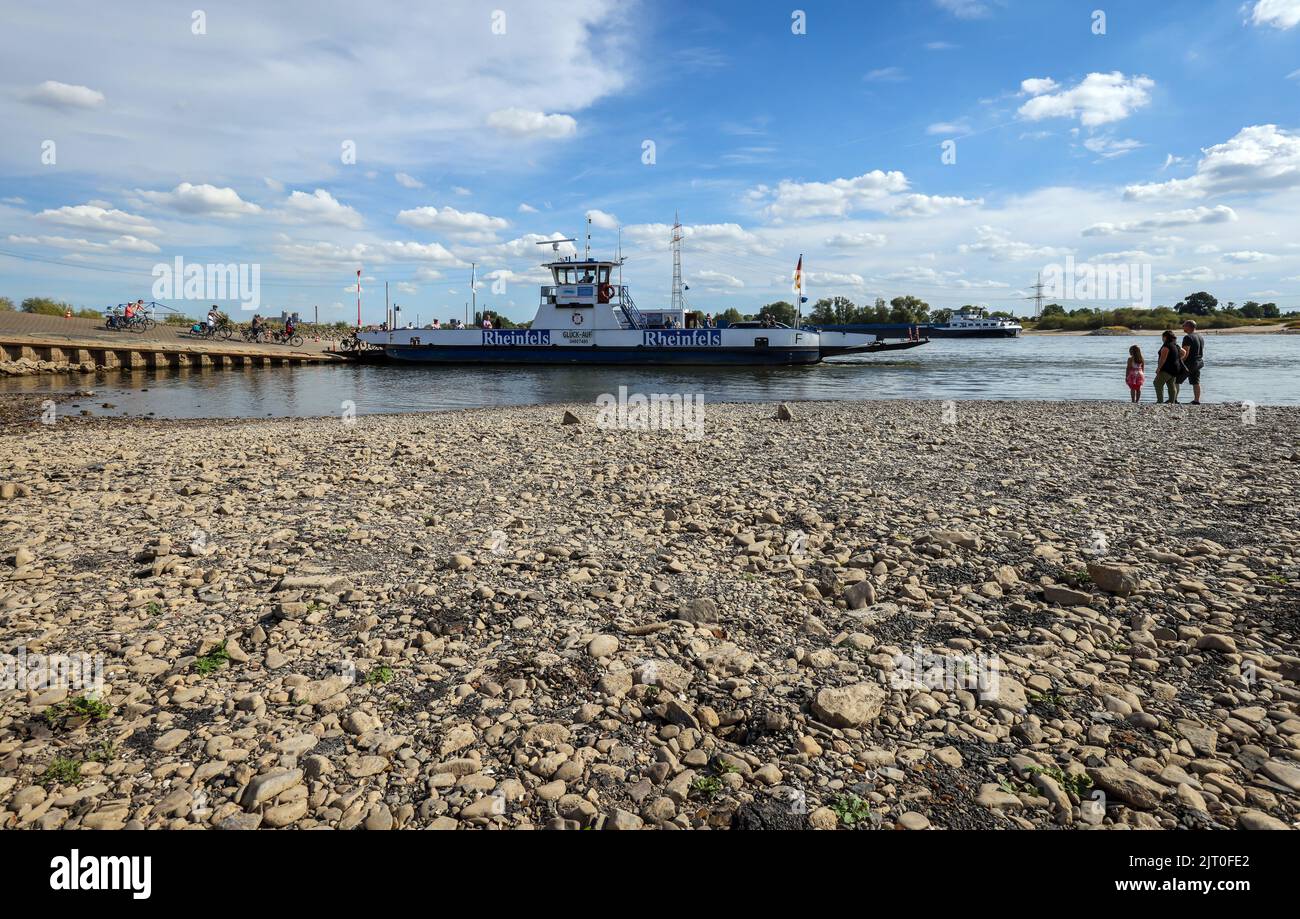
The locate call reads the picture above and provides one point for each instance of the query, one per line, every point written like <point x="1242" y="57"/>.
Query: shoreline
<point x="1278" y="329"/>
<point x="19" y="412"/>
<point x="487" y="617"/>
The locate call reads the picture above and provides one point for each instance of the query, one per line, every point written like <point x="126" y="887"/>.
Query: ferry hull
<point x="935" y="332"/>
<point x="521" y="354"/>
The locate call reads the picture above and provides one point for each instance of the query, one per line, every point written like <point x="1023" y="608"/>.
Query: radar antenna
<point x="555" y="243"/>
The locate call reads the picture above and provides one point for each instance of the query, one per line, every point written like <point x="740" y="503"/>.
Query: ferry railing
<point x="629" y="309"/>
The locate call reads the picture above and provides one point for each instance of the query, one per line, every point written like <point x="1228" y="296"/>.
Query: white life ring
<point x="576" y="318"/>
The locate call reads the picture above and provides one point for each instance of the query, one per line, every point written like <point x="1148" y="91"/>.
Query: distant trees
<point x="498" y="321"/>
<point x="730" y="316"/>
<point x="835" y="311"/>
<point x="6" y="305"/>
<point x="1198" y="304"/>
<point x="781" y="311"/>
<point x="46" y="306"/>
<point x="909" y="309"/>
<point x="1252" y="310"/>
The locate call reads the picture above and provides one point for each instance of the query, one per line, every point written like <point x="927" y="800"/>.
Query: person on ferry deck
<point x="487" y="323"/>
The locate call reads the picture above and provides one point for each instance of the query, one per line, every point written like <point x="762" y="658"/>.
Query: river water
<point x="1239" y="368"/>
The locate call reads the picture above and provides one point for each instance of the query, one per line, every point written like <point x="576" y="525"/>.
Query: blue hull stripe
<point x="553" y="355"/>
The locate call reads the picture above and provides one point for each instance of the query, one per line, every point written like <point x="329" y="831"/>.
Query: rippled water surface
<point x="1258" y="368"/>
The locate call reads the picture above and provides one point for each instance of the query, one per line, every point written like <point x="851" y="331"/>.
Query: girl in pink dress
<point x="1135" y="374"/>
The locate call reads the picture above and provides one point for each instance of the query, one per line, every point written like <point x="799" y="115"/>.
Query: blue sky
<point x="1170" y="139"/>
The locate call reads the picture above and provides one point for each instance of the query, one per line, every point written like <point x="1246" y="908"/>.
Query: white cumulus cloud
<point x="1259" y="158"/>
<point x="65" y="95"/>
<point x="1280" y="14"/>
<point x="98" y="218"/>
<point x="602" y="220"/>
<point x="524" y="123"/>
<point x="320" y="207"/>
<point x="1184" y="218"/>
<point x="205" y="200"/>
<point x="835" y="198"/>
<point x="466" y="224"/>
<point x="1101" y="98"/>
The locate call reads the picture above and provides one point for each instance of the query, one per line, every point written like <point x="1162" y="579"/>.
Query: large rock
<point x="1114" y="579"/>
<point x="320" y="690"/>
<point x="849" y="706"/>
<point x="1065" y="596"/>
<point x="860" y="595"/>
<point x="1216" y="642"/>
<point x="1128" y="785"/>
<point x="1250" y="819"/>
<point x="956" y="538"/>
<point x="1283" y="773"/>
<point x="699" y="610"/>
<point x="1001" y="691"/>
<point x="269" y="784"/>
<point x="664" y="674"/>
<point x="728" y="660"/>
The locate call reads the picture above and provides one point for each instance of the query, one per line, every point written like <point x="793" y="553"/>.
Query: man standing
<point x="1193" y="357"/>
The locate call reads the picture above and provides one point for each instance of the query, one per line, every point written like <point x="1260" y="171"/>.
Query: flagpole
<point x="358" y="298"/>
<point x="798" y="296"/>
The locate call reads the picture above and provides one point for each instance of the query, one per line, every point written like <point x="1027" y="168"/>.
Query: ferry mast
<point x="677" y="304"/>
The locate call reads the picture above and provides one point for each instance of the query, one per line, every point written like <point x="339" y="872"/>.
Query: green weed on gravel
<point x="57" y="716"/>
<point x="213" y="661"/>
<point x="61" y="771"/>
<point x="851" y="809"/>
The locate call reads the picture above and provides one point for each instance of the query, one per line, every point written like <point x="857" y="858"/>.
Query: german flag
<point x="798" y="275"/>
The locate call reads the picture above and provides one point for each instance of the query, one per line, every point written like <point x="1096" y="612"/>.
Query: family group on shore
<point x="1175" y="365"/>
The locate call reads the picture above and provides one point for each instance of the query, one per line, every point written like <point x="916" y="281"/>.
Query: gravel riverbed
<point x="867" y="616"/>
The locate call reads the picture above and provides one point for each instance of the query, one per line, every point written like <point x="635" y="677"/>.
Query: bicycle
<point x="141" y="322"/>
<point x="209" y="333"/>
<point x="278" y="337"/>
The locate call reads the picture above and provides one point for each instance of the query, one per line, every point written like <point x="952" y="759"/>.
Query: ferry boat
<point x="585" y="317"/>
<point x="972" y="322"/>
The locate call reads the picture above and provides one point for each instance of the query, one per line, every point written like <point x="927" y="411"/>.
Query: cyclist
<point x="258" y="328"/>
<point x="214" y="318"/>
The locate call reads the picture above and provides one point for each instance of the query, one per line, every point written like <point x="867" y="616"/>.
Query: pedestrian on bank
<point x="1169" y="368"/>
<point x="1135" y="374"/>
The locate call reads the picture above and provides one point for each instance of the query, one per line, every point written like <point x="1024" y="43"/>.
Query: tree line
<point x="1204" y="307"/>
<point x="907" y="310"/>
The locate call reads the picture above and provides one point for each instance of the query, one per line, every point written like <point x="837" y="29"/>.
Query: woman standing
<point x="1169" y="367"/>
